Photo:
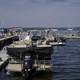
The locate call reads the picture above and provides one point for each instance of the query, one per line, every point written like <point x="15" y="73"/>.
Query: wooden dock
<point x="7" y="40"/>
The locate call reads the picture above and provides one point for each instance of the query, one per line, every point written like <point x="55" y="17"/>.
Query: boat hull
<point x="22" y="51"/>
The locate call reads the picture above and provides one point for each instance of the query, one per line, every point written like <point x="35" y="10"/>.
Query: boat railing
<point x="14" y="60"/>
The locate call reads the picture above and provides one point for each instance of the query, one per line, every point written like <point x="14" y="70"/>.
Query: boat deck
<point x="14" y="67"/>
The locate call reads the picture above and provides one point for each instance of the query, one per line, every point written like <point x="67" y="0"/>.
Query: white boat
<point x="26" y="46"/>
<point x="57" y="43"/>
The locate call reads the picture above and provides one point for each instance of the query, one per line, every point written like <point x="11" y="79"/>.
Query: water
<point x="65" y="61"/>
<point x="2" y="75"/>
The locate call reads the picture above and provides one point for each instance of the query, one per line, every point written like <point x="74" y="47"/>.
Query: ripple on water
<point x="66" y="61"/>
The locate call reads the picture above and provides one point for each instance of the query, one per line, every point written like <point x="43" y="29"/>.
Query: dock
<point x="4" y="42"/>
<point x="7" y="40"/>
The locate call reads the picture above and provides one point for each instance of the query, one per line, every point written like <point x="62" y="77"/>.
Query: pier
<point x="4" y="59"/>
<point x="8" y="40"/>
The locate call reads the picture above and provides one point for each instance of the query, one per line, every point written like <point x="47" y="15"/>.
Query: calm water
<point x="65" y="61"/>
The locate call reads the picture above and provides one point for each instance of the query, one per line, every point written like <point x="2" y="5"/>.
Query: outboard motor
<point x="27" y="63"/>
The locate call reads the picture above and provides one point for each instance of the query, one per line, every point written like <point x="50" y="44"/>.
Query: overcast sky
<point x="60" y="13"/>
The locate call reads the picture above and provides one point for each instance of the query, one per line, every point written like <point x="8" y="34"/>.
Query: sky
<point x="37" y="13"/>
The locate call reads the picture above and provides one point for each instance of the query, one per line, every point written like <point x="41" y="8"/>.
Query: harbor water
<point x="65" y="62"/>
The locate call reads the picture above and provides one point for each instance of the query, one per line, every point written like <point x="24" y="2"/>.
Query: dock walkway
<point x="7" y="38"/>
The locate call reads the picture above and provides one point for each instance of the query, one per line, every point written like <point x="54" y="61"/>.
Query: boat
<point x="27" y="46"/>
<point x="57" y="43"/>
<point x="37" y="50"/>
